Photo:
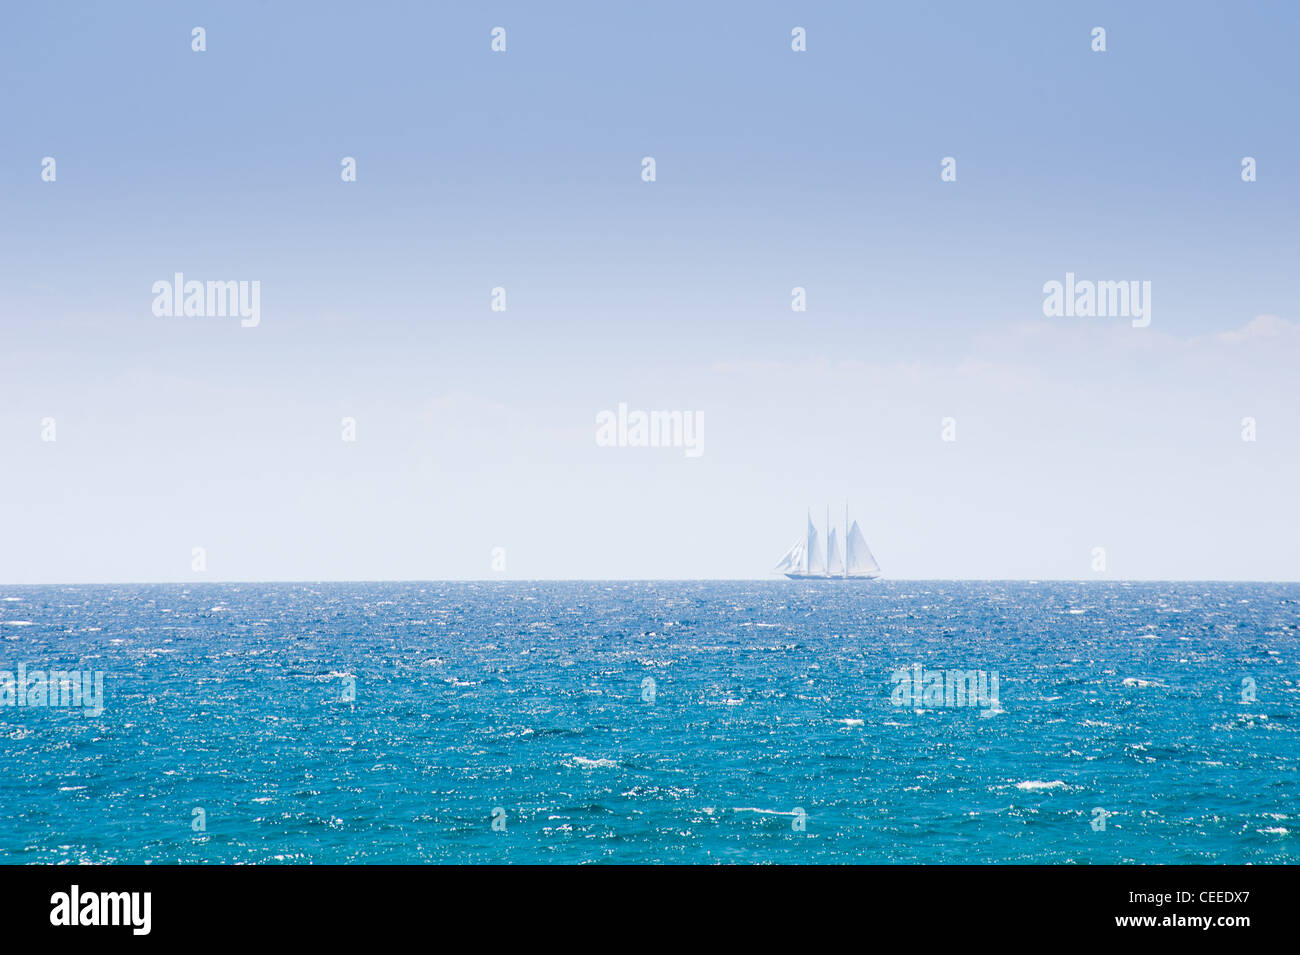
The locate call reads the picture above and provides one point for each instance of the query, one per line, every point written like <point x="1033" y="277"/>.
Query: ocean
<point x="642" y="722"/>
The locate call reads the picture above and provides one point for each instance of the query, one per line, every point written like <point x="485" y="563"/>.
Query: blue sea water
<point x="771" y="735"/>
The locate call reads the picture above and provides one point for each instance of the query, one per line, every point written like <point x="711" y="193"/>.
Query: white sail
<point x="795" y="560"/>
<point x="860" y="561"/>
<point x="816" y="556"/>
<point x="835" y="565"/>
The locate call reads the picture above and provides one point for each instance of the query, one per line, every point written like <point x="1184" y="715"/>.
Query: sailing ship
<point x="806" y="560"/>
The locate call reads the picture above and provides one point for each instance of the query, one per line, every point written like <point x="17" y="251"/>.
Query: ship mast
<point x="807" y="549"/>
<point x="829" y="544"/>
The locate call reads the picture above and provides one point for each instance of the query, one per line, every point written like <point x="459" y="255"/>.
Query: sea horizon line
<point x="648" y="580"/>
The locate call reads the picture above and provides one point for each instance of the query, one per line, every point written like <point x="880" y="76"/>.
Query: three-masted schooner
<point x="807" y="561"/>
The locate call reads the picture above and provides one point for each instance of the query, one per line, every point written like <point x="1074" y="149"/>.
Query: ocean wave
<point x="582" y="762"/>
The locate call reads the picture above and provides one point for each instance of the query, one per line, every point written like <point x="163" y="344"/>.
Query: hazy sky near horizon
<point x="475" y="428"/>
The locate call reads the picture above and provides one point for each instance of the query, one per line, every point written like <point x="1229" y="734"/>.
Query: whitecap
<point x="583" y="762"/>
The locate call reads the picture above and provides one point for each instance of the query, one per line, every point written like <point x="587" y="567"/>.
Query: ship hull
<point x="829" y="577"/>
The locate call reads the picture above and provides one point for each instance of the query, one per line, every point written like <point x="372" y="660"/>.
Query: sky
<point x="522" y="169"/>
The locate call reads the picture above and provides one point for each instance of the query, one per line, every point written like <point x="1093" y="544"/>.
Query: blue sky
<point x="521" y="169"/>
